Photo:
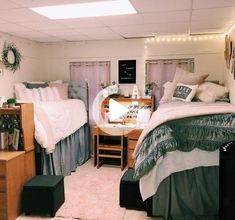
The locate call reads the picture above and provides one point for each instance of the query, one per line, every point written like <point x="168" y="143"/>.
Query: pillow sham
<point x="182" y="76"/>
<point x="26" y="95"/>
<point x="188" y="78"/>
<point x="184" y="92"/>
<point x="167" y="93"/>
<point x="62" y="89"/>
<point x="210" y="92"/>
<point x="49" y="94"/>
<point x="57" y="81"/>
<point x="36" y="85"/>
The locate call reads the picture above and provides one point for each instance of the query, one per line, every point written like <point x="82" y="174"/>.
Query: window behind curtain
<point x="163" y="70"/>
<point x="94" y="73"/>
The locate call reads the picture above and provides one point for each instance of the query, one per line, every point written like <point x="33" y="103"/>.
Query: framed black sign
<point x="127" y="71"/>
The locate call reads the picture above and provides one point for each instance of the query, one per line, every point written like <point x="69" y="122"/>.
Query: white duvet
<point x="56" y="120"/>
<point x="177" y="161"/>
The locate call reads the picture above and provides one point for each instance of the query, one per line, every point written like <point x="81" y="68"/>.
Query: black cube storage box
<point x="129" y="194"/>
<point x="43" y="194"/>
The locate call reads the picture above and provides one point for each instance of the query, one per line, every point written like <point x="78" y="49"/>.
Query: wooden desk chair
<point x="110" y="145"/>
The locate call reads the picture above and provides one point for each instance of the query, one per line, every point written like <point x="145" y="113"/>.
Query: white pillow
<point x="57" y="81"/>
<point x="188" y="78"/>
<point x="184" y="92"/>
<point x="210" y="92"/>
<point x="167" y="95"/>
<point x="49" y="94"/>
<point x="27" y="95"/>
<point x="17" y="88"/>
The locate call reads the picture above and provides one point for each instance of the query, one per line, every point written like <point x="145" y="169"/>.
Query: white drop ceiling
<point x="153" y="18"/>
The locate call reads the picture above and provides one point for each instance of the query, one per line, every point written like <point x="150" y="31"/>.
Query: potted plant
<point x="149" y="87"/>
<point x="11" y="102"/>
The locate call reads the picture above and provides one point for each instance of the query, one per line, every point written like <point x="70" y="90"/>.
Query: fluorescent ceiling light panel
<point x="92" y="9"/>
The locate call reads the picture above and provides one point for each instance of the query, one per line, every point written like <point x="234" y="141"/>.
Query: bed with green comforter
<point x="177" y="173"/>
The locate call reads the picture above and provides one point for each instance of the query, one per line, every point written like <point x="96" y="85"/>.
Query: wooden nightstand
<point x="131" y="144"/>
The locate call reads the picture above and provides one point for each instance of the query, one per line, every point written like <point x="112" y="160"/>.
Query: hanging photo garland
<point x="11" y="57"/>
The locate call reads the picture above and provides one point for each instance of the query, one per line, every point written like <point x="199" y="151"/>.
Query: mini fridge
<point x="227" y="181"/>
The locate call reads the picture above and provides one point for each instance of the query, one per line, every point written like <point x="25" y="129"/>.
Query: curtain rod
<point x="89" y="63"/>
<point x="170" y="61"/>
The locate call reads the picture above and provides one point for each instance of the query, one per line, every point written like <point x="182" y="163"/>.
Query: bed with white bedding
<point x="61" y="127"/>
<point x="177" y="158"/>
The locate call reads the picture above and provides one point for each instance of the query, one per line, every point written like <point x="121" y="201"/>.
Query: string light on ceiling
<point x="184" y="38"/>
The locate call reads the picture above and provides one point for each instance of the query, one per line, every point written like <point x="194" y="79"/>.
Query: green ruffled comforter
<point x="206" y="132"/>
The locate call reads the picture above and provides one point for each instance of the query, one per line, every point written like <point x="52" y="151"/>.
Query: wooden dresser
<point x="16" y="167"/>
<point x="11" y="183"/>
<point x="132" y="141"/>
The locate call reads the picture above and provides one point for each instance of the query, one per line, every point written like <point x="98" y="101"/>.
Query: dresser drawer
<point x="134" y="134"/>
<point x="130" y="159"/>
<point x="2" y="168"/>
<point x="3" y="185"/>
<point x="3" y="206"/>
<point x="131" y="144"/>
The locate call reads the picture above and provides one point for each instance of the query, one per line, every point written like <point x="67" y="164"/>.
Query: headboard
<point x="79" y="90"/>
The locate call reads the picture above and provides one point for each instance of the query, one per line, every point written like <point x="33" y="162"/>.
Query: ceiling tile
<point x="205" y="14"/>
<point x="5" y="4"/>
<point x="39" y="37"/>
<point x="12" y="28"/>
<point x="62" y="33"/>
<point x="106" y="36"/>
<point x="160" y="5"/>
<point x="44" y="25"/>
<point x="87" y="30"/>
<point x="197" y="4"/>
<point x="81" y="23"/>
<point x="122" y="20"/>
<point x="176" y="28"/>
<point x="209" y="24"/>
<point x="164" y="17"/>
<point x="77" y="38"/>
<point x="21" y="15"/>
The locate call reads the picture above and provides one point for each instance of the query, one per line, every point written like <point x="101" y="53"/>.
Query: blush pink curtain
<point x="94" y="73"/>
<point x="162" y="71"/>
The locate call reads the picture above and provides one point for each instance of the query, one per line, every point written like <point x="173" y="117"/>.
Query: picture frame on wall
<point x="127" y="71"/>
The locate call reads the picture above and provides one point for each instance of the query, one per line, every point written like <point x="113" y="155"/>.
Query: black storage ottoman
<point x="43" y="194"/>
<point x="129" y="195"/>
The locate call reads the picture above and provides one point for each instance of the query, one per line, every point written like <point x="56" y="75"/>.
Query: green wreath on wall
<point x="14" y="63"/>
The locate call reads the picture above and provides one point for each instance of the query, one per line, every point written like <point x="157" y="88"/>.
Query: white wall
<point x="50" y="61"/>
<point x="208" y="56"/>
<point x="229" y="79"/>
<point x="29" y="67"/>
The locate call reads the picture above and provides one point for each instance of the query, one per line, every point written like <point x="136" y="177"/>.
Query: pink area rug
<point x="92" y="194"/>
